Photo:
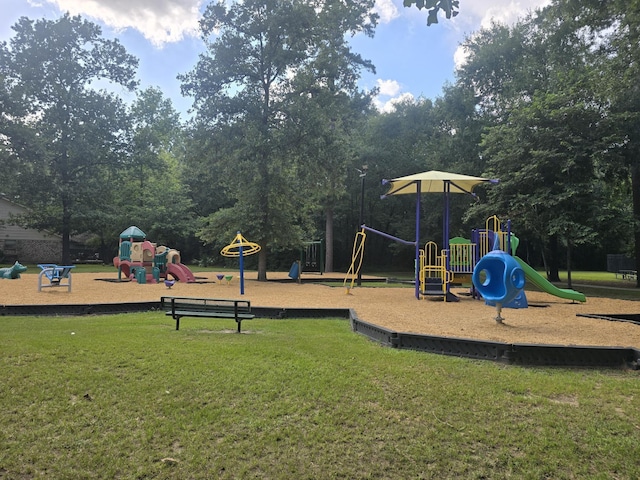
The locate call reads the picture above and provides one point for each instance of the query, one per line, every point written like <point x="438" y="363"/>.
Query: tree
<point x="448" y="7"/>
<point x="545" y="158"/>
<point x="241" y="86"/>
<point x="533" y="81"/>
<point x="400" y="143"/>
<point x="61" y="132"/>
<point x="328" y="107"/>
<point x="154" y="195"/>
<point x="615" y="29"/>
<point x="246" y="88"/>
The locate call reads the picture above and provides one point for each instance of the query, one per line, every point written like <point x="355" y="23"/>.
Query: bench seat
<point x="178" y="307"/>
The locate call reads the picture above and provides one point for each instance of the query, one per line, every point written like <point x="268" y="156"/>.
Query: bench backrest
<point x="205" y="304"/>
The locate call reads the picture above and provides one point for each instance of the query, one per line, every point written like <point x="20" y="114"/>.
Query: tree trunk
<point x="635" y="189"/>
<point x="328" y="235"/>
<point x="105" y="251"/>
<point x="262" y="264"/>
<point x="545" y="264"/>
<point x="569" y="263"/>
<point x="66" y="233"/>
<point x="553" y="274"/>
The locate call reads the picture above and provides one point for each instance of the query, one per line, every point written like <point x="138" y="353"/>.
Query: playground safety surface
<point x="552" y="321"/>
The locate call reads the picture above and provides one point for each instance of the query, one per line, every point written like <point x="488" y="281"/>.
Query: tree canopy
<point x="448" y="7"/>
<point x="265" y="58"/>
<point x="62" y="134"/>
<point x="548" y="105"/>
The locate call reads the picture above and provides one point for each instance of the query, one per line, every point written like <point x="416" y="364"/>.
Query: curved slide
<point x="180" y="272"/>
<point x="546" y="286"/>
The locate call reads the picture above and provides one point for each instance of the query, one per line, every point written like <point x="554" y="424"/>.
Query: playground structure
<point x="239" y="248"/>
<point x="433" y="181"/>
<point x="436" y="270"/>
<point x="457" y="264"/>
<point x="312" y="257"/>
<point x="311" y="260"/>
<point x="145" y="262"/>
<point x="487" y="262"/>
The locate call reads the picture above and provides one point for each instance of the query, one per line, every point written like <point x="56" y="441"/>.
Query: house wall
<point x="31" y="251"/>
<point x="24" y="244"/>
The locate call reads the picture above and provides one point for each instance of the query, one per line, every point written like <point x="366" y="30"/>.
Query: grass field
<point x="127" y="396"/>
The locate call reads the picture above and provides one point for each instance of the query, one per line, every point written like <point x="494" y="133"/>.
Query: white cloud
<point x="386" y="9"/>
<point x="159" y="21"/>
<point x="388" y="88"/>
<point x="508" y="12"/>
<point x="390" y="104"/>
<point x="480" y="14"/>
<point x="389" y="94"/>
<point x="460" y="57"/>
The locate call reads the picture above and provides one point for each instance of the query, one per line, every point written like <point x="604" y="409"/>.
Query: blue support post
<point x="445" y="226"/>
<point x="417" y="264"/>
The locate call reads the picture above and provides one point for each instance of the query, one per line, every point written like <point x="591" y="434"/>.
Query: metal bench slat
<point x="191" y="313"/>
<point x="179" y="307"/>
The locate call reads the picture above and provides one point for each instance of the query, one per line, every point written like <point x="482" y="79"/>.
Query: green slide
<point x="546" y="286"/>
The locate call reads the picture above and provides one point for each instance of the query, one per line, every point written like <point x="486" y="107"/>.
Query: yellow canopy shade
<point x="434" y="181"/>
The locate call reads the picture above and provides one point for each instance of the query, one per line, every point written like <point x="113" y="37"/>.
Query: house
<point x="24" y="244"/>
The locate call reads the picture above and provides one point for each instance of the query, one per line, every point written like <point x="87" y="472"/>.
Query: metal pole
<point x="241" y="270"/>
<point x="363" y="174"/>
<point x="386" y="235"/>
<point x="445" y="227"/>
<point x="417" y="261"/>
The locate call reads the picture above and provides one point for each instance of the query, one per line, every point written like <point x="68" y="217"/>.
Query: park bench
<point x="178" y="307"/>
<point x="627" y="274"/>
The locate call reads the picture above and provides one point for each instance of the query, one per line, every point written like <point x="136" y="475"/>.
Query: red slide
<point x="124" y="265"/>
<point x="180" y="272"/>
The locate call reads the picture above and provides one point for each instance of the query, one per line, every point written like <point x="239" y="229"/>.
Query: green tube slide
<point x="546" y="286"/>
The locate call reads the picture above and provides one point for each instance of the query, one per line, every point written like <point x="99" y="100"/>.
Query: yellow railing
<point x="433" y="266"/>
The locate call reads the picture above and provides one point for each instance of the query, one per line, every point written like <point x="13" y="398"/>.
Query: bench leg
<point x="239" y="322"/>
<point x="177" y="323"/>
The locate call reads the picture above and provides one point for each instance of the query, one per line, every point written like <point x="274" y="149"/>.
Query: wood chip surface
<point x="548" y="320"/>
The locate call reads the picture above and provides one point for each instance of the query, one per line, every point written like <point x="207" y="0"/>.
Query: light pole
<point x="363" y="174"/>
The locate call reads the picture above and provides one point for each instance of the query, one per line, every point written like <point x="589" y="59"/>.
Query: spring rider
<point x="500" y="280"/>
<point x="13" y="272"/>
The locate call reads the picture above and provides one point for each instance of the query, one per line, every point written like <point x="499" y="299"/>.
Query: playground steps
<point x="434" y="288"/>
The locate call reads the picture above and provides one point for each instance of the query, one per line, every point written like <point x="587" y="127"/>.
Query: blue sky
<point x="411" y="59"/>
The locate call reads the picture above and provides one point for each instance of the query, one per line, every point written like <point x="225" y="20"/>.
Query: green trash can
<point x="141" y="275"/>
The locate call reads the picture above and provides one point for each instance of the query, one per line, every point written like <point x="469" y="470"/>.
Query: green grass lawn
<point x="127" y="396"/>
